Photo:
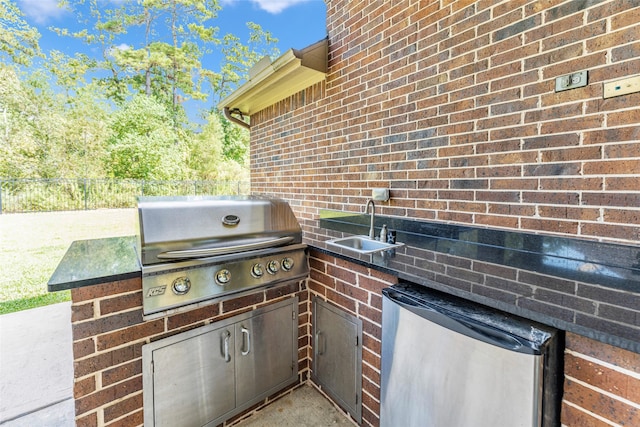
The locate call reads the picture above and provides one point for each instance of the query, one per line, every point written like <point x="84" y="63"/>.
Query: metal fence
<point x="45" y="195"/>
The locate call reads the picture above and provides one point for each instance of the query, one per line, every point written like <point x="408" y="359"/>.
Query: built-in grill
<point x="196" y="250"/>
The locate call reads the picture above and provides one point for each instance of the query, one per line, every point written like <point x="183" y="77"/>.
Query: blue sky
<point x="295" y="23"/>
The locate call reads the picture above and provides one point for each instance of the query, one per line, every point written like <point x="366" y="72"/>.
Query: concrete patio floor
<point x="303" y="407"/>
<point x="36" y="367"/>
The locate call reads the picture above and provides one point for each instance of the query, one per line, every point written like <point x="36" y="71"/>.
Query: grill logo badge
<point x="156" y="291"/>
<point x="230" y="220"/>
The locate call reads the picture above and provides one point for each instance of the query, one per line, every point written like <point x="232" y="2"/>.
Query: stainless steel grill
<point x="196" y="250"/>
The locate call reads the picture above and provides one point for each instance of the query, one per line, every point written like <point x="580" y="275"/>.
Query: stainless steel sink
<point x="363" y="244"/>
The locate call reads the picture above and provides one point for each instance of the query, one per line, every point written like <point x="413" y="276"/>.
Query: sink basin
<point x="363" y="244"/>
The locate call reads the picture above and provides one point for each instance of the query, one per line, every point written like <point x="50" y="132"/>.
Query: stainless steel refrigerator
<point x="447" y="362"/>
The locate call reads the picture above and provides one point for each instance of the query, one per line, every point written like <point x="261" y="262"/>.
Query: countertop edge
<point x="80" y="283"/>
<point x="606" y="338"/>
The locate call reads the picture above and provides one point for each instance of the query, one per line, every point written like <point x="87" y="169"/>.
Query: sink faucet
<point x="372" y="233"/>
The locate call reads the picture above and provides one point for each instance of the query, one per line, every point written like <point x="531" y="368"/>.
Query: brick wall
<point x="602" y="385"/>
<point x="451" y="104"/>
<point x="357" y="290"/>
<point x="109" y="332"/>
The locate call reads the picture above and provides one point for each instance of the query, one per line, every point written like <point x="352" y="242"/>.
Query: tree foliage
<point x="211" y="155"/>
<point x="18" y="40"/>
<point x="143" y="143"/>
<point x="32" y="123"/>
<point x="122" y="113"/>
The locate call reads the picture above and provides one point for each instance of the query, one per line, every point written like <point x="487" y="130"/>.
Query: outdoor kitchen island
<point x="602" y="355"/>
<point x="109" y="329"/>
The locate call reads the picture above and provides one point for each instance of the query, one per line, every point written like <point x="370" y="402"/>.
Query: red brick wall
<point x="602" y="385"/>
<point x="451" y="104"/>
<point x="109" y="332"/>
<point x="357" y="290"/>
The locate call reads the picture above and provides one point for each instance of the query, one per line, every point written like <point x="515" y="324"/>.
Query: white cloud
<point x="120" y="47"/>
<point x="276" y="6"/>
<point x="271" y="6"/>
<point x="41" y="11"/>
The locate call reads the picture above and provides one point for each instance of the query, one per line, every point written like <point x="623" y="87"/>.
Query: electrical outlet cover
<point x="622" y="87"/>
<point x="571" y="81"/>
<point x="380" y="194"/>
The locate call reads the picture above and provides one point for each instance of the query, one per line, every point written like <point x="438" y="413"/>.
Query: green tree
<point x="13" y="98"/>
<point x="18" y="40"/>
<point x="47" y="133"/>
<point x="102" y="27"/>
<point x="175" y="36"/>
<point x="166" y="61"/>
<point x="206" y="150"/>
<point x="207" y="157"/>
<point x="33" y="122"/>
<point x="18" y="46"/>
<point x="166" y="64"/>
<point x="84" y="140"/>
<point x="236" y="142"/>
<point x="71" y="116"/>
<point x="143" y="144"/>
<point x="82" y="144"/>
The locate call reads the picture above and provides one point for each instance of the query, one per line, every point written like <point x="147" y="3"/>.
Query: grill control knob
<point x="257" y="270"/>
<point x="273" y="266"/>
<point x="223" y="277"/>
<point x="287" y="264"/>
<point x="181" y="285"/>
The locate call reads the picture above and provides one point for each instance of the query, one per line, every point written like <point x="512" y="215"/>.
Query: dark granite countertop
<point x="588" y="287"/>
<point x="607" y="264"/>
<point x="90" y="262"/>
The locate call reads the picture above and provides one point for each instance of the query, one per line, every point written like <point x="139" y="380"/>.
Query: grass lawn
<point x="32" y="244"/>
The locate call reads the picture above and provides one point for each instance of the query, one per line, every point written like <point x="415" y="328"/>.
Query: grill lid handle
<point x="206" y="252"/>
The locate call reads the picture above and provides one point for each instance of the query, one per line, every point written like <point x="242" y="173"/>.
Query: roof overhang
<point x="270" y="82"/>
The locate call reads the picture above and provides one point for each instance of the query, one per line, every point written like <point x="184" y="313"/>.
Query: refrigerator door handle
<point x="466" y="326"/>
<point x="499" y="338"/>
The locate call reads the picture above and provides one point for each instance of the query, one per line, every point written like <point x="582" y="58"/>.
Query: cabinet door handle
<point x="245" y="331"/>
<point x="320" y="350"/>
<point x="227" y="355"/>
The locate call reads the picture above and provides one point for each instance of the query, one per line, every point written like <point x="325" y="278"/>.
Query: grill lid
<point x="177" y="228"/>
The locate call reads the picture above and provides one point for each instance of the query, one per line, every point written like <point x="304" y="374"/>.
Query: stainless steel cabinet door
<point x="204" y="376"/>
<point x="193" y="379"/>
<point x="266" y="352"/>
<point x="337" y="355"/>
